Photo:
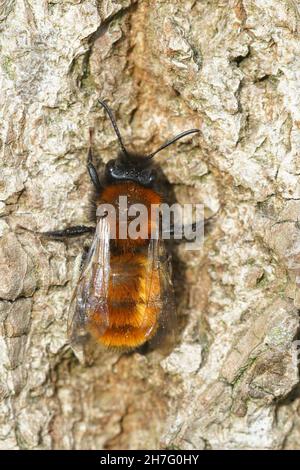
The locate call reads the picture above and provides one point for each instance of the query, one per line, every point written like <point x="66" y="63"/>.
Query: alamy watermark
<point x="137" y="221"/>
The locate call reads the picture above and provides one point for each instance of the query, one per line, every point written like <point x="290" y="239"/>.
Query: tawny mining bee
<point x="124" y="293"/>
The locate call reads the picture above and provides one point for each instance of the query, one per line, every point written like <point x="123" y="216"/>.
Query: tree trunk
<point x="230" y="68"/>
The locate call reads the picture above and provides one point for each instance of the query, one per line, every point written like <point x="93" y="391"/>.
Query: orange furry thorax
<point x="136" y="194"/>
<point x="134" y="191"/>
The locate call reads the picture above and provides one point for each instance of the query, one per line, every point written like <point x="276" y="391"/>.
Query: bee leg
<point x="94" y="175"/>
<point x="179" y="233"/>
<point x="84" y="256"/>
<point x="68" y="232"/>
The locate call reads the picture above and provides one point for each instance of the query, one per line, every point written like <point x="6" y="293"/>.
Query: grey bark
<point x="229" y="67"/>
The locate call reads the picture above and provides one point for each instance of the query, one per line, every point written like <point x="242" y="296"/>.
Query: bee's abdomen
<point x="133" y="303"/>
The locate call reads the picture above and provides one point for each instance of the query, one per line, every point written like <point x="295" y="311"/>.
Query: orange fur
<point x="136" y="194"/>
<point x="126" y="338"/>
<point x="133" y="307"/>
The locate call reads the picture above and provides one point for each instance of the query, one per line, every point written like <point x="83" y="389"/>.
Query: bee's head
<point x="132" y="167"/>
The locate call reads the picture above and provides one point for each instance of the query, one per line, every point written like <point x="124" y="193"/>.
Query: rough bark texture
<point x="230" y="67"/>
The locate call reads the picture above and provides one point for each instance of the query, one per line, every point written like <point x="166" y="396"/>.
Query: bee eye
<point x="147" y="177"/>
<point x="152" y="176"/>
<point x="110" y="166"/>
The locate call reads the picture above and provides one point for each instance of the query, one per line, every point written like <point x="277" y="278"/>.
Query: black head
<point x="131" y="167"/>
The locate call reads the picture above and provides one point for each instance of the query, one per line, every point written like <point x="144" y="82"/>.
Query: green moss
<point x="243" y="369"/>
<point x="72" y="134"/>
<point x="172" y="447"/>
<point x="262" y="281"/>
<point x="277" y="336"/>
<point x="7" y="65"/>
<point x="88" y="83"/>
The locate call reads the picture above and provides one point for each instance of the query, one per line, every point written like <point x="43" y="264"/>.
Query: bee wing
<point x="91" y="292"/>
<point x="159" y="271"/>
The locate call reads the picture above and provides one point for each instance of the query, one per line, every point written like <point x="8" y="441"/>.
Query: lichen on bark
<point x="230" y="68"/>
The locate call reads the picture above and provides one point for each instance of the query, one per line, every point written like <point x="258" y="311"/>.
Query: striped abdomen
<point x="133" y="303"/>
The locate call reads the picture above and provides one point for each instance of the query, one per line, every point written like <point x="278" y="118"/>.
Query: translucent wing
<point x="90" y="298"/>
<point x="160" y="293"/>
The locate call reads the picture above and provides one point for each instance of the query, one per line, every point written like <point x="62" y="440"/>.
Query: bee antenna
<point x="169" y="142"/>
<point x="114" y="123"/>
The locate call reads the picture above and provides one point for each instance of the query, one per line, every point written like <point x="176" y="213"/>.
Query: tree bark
<point x="230" y="68"/>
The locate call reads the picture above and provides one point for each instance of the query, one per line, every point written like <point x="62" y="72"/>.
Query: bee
<point x="124" y="294"/>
